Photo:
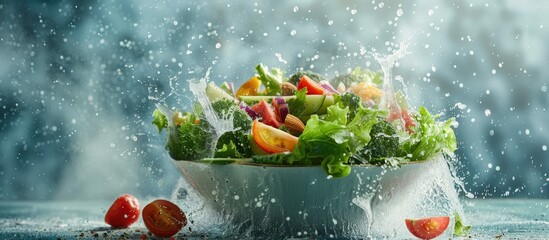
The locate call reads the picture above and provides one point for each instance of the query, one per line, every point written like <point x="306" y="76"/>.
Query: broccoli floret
<point x="358" y="75"/>
<point x="353" y="101"/>
<point x="294" y="79"/>
<point x="189" y="139"/>
<point x="227" y="107"/>
<point x="384" y="144"/>
<point x="233" y="144"/>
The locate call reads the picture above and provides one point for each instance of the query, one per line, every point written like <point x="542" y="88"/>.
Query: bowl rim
<point x="250" y="162"/>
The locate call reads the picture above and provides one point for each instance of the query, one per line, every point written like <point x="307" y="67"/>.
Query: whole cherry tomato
<point x="123" y="212"/>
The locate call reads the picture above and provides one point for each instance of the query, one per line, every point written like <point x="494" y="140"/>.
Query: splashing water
<point x="432" y="192"/>
<point x="220" y="124"/>
<point x="389" y="100"/>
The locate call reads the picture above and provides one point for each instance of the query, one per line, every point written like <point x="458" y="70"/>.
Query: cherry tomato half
<point x="123" y="212"/>
<point x="428" y="228"/>
<point x="163" y="218"/>
<point x="272" y="140"/>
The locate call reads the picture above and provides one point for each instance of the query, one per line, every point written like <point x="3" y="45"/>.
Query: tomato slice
<point x="313" y="88"/>
<point x="249" y="88"/>
<point x="272" y="140"/>
<point x="163" y="218"/>
<point x="123" y="212"/>
<point x="267" y="114"/>
<point x="428" y="228"/>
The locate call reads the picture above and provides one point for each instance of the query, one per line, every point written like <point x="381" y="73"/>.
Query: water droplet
<point x="236" y="197"/>
<point x="296" y="8"/>
<point x="175" y="23"/>
<point x="430" y="12"/>
<point x="334" y="221"/>
<point x="149" y="35"/>
<point x="330" y="22"/>
<point x="400" y="12"/>
<point x="544" y="88"/>
<point x="113" y="145"/>
<point x="487" y="112"/>
<point x="490" y="165"/>
<point x="460" y="105"/>
<point x="527" y="131"/>
<point x="293" y="32"/>
<point x="493" y="71"/>
<point x="544" y="148"/>
<point x="353" y="12"/>
<point x="218" y="45"/>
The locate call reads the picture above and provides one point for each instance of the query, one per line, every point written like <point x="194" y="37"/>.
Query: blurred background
<point x="79" y="80"/>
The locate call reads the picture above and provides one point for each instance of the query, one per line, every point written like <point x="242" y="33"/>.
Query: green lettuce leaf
<point x="277" y="159"/>
<point x="160" y="121"/>
<point x="429" y="138"/>
<point x="271" y="79"/>
<point x="297" y="105"/>
<point x="460" y="230"/>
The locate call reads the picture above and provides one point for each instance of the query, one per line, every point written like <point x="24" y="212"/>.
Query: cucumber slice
<point x="256" y="150"/>
<point x="215" y="93"/>
<point x="313" y="104"/>
<point x="328" y="101"/>
<point x="268" y="99"/>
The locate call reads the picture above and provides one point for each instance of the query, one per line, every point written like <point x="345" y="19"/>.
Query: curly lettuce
<point x="429" y="138"/>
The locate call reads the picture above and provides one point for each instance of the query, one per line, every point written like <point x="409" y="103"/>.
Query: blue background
<point x="79" y="80"/>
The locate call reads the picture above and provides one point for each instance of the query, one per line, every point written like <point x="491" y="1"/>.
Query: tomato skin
<point x="428" y="228"/>
<point x="272" y="140"/>
<point x="268" y="116"/>
<point x="313" y="88"/>
<point x="163" y="218"/>
<point x="123" y="212"/>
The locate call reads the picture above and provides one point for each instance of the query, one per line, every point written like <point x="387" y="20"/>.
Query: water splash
<point x="389" y="98"/>
<point x="442" y="192"/>
<point x="220" y="124"/>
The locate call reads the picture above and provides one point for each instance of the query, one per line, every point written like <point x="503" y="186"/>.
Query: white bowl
<point x="300" y="201"/>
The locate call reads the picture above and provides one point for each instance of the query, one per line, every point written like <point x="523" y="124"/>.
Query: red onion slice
<point x="253" y="114"/>
<point x="282" y="108"/>
<point x="328" y="87"/>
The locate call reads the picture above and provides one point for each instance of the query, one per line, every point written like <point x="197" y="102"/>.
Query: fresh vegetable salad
<point x="306" y="119"/>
